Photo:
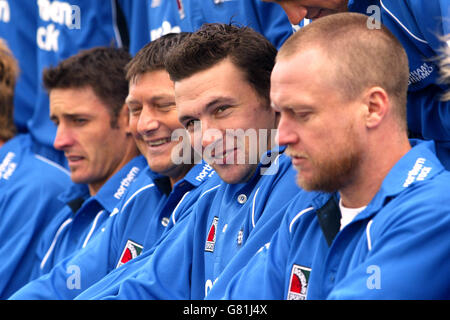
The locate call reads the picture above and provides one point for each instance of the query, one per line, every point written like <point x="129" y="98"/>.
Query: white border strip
<point x="52" y="246"/>
<point x="298" y="216"/>
<point x="53" y="164"/>
<point x="401" y="24"/>
<point x="94" y="224"/>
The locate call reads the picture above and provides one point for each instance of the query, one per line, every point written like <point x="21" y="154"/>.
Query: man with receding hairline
<point x="377" y="200"/>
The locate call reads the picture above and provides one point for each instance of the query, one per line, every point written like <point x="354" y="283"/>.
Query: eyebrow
<point x="217" y="101"/>
<point x="209" y="105"/>
<point x="68" y="115"/>
<point x="131" y="100"/>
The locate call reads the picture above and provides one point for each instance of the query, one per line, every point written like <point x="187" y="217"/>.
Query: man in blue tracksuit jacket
<point x="229" y="223"/>
<point x="135" y="225"/>
<point x="373" y="257"/>
<point x="419" y="25"/>
<point x="29" y="183"/>
<point x="63" y="29"/>
<point x="361" y="239"/>
<point x="29" y="189"/>
<point x="41" y="34"/>
<point x="232" y="219"/>
<point x="153" y="203"/>
<point x="93" y="133"/>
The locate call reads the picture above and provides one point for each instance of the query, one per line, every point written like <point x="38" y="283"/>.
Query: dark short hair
<point x="101" y="68"/>
<point x="214" y="42"/>
<point x="152" y="56"/>
<point x="9" y="71"/>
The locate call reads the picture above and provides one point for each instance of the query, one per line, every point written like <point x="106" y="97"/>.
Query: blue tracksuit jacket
<point x="229" y="223"/>
<point x="82" y="217"/>
<point x="148" y="211"/>
<point x="152" y="19"/>
<point x="17" y="19"/>
<point x="397" y="248"/>
<point x="418" y="25"/>
<point x="29" y="189"/>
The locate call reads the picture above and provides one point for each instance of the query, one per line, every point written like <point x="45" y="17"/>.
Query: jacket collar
<point x="111" y="192"/>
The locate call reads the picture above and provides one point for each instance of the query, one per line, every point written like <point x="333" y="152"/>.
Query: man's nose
<point x="295" y="13"/>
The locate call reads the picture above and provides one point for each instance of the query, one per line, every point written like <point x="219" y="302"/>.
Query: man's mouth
<point x="72" y="159"/>
<point x="158" y="142"/>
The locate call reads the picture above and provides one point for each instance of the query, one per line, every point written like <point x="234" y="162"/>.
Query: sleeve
<point x="20" y="233"/>
<point x="419" y="25"/>
<point x="75" y="273"/>
<point x="263" y="276"/>
<point x="269" y="19"/>
<point x="109" y="285"/>
<point x="165" y="275"/>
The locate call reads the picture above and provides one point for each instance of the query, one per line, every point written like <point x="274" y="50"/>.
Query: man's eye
<point x="303" y="115"/>
<point x="80" y="121"/>
<point x="134" y="111"/>
<point x="222" y="108"/>
<point x="166" y="106"/>
<point x="189" y="125"/>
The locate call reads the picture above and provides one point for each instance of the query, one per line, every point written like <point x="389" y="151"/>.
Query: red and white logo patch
<point x="181" y="9"/>
<point x="298" y="283"/>
<point x="211" y="239"/>
<point x="131" y="251"/>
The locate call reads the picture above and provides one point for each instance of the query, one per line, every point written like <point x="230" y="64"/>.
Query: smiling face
<point x="94" y="150"/>
<point x="220" y="102"/>
<point x="320" y="127"/>
<point x="153" y="118"/>
<point x="297" y="10"/>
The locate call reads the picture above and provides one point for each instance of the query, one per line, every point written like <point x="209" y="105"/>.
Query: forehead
<point x="76" y="100"/>
<point x="150" y="84"/>
<point x="303" y="72"/>
<point x="222" y="80"/>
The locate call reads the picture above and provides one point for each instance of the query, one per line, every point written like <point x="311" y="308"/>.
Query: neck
<point x="179" y="174"/>
<point x="375" y="166"/>
<point x="130" y="153"/>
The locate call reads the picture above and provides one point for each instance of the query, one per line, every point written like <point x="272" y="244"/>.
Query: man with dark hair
<point x="419" y="25"/>
<point x="87" y="104"/>
<point x="9" y="71"/>
<point x="386" y="202"/>
<point x="160" y="197"/>
<point x="221" y="74"/>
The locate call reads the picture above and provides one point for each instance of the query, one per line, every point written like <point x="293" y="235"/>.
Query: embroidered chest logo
<point x="298" y="283"/>
<point x="211" y="239"/>
<point x="131" y="251"/>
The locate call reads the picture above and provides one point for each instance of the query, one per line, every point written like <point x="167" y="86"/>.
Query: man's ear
<point x="124" y="118"/>
<point x="377" y="105"/>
